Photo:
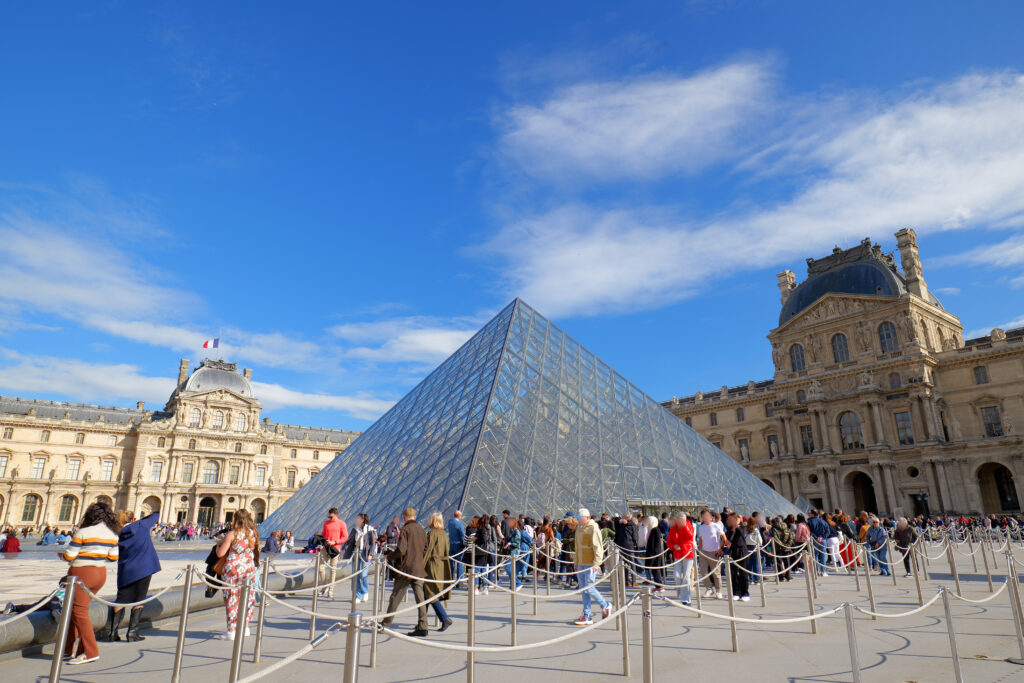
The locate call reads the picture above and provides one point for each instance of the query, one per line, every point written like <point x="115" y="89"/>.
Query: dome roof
<point x="212" y="374"/>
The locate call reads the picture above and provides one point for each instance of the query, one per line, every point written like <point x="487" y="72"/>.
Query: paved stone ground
<point x="914" y="648"/>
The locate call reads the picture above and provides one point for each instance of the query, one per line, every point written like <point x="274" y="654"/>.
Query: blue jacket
<point x="819" y="528"/>
<point x="137" y="557"/>
<point x="456" y="535"/>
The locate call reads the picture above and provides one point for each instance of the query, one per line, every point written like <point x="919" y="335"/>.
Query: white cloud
<point x="417" y="339"/>
<point x="953" y="291"/>
<point x="984" y="332"/>
<point x="950" y="156"/>
<point x="638" y="128"/>
<point x="1009" y="252"/>
<point x="111" y="383"/>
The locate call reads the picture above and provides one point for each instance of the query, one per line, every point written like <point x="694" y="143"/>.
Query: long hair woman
<point x="239" y="545"/>
<point x="137" y="561"/>
<point x="438" y="569"/>
<point x="94" y="546"/>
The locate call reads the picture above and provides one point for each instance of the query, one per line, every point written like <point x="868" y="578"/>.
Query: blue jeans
<point x="879" y="554"/>
<point x="458" y="569"/>
<point x="682" y="572"/>
<point x="483" y="570"/>
<point x="820" y="555"/>
<point x="513" y="575"/>
<point x="363" y="582"/>
<point x="585" y="575"/>
<point x="753" y="565"/>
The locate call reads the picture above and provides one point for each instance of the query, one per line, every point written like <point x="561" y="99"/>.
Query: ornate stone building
<point x="877" y="402"/>
<point x="206" y="454"/>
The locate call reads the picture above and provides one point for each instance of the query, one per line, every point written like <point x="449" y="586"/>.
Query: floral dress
<point x="239" y="567"/>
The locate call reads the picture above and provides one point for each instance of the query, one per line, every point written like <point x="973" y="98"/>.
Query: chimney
<point x="266" y="420"/>
<point x="787" y="283"/>
<point x="140" y="405"/>
<point x="182" y="371"/>
<point x="906" y="240"/>
<point x="248" y="373"/>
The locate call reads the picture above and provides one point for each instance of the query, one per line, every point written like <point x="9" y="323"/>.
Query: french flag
<point x="212" y="343"/>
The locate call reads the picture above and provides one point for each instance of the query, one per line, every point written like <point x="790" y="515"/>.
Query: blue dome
<point x="865" y="278"/>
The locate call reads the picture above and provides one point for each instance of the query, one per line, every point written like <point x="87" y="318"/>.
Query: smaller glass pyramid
<point x="522" y="417"/>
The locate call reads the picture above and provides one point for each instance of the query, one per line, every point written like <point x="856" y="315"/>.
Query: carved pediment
<point x="221" y="398"/>
<point x="832" y="306"/>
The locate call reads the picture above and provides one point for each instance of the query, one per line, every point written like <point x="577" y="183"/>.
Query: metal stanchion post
<point x="775" y="561"/>
<point x="316" y="593"/>
<point x="258" y="646"/>
<point x="974" y="558"/>
<point x="357" y="566"/>
<point x="732" y="605"/>
<point x="547" y="572"/>
<point x="647" y="621"/>
<point x="760" y="577"/>
<point x="810" y="600"/>
<point x="812" y="569"/>
<point x="957" y="673"/>
<point x="179" y="650"/>
<point x="851" y="638"/>
<point x="1013" y="590"/>
<point x="62" y="629"/>
<point x="695" y="593"/>
<point x="376" y="611"/>
<point x="470" y="622"/>
<point x="917" y="577"/>
<point x="623" y="628"/>
<point x="924" y="561"/>
<point x="952" y="567"/>
<point x="856" y="559"/>
<point x="984" y="560"/>
<point x="352" y="648"/>
<point x="891" y="558"/>
<point x="536" y="579"/>
<point x="512" y="613"/>
<point x="1012" y="577"/>
<point x="241" y="621"/>
<point x="616" y="601"/>
<point x="867" y="580"/>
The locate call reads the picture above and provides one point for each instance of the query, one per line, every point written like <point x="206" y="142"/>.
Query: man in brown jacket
<point x="408" y="559"/>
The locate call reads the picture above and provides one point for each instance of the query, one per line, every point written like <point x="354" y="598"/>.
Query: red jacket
<point x="12" y="545"/>
<point x="680" y="540"/>
<point x="335" y="532"/>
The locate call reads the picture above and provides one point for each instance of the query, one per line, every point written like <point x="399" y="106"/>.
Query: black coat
<point x="655" y="548"/>
<point x="625" y="535"/>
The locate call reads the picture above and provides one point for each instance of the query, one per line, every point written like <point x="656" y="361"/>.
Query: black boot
<point x="132" y="634"/>
<point x="113" y="624"/>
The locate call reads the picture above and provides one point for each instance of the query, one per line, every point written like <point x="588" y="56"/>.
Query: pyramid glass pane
<point x="523" y="417"/>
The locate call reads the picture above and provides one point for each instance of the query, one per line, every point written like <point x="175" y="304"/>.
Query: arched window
<point x="801" y="397"/>
<point x="796" y="358"/>
<point x="840" y="349"/>
<point x="316" y="455"/>
<point x="849" y="432"/>
<point x="218" y="420"/>
<point x="263" y="449"/>
<point x="714" y="419"/>
<point x="31" y="507"/>
<point x="240" y="423"/>
<point x="67" y="508"/>
<point x="887" y="337"/>
<point x="195" y="418"/>
<point x="161" y="442"/>
<point x="191" y="444"/>
<point x="211" y="472"/>
<point x="740" y="415"/>
<point x="895" y="382"/>
<point x="238" y="447"/>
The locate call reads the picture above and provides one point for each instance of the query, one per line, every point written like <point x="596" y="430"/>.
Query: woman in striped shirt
<point x="93" y="546"/>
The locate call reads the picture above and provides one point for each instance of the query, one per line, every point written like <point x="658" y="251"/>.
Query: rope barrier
<point x="745" y="620"/>
<point x="108" y="603"/>
<point x="884" y="615"/>
<point x="298" y="654"/>
<point x="607" y="575"/>
<point x="39" y="605"/>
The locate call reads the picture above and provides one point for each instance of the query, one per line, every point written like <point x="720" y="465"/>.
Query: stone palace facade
<point x="877" y="402"/>
<point x="206" y="454"/>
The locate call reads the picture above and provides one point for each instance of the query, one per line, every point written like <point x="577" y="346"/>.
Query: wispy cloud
<point x="638" y="128"/>
<point x="941" y="157"/>
<point x="360" y="406"/>
<point x="409" y="339"/>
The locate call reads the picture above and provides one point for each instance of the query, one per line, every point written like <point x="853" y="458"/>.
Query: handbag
<point x="220" y="564"/>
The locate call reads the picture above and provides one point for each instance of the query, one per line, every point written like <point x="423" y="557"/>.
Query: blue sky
<point x="344" y="193"/>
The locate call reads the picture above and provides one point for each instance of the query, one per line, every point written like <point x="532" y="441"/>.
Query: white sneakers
<point x="709" y="593"/>
<point x="607" y="611"/>
<point x="718" y="596"/>
<point x="81" y="659"/>
<point x="227" y="635"/>
<point x="745" y="598"/>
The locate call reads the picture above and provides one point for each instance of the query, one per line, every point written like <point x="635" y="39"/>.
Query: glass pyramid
<point x="522" y="417"/>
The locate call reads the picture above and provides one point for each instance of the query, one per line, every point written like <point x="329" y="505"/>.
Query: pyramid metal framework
<point x="522" y="417"/>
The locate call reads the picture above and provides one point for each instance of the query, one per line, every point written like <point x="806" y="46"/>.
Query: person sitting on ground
<point x="11" y="544"/>
<point x="49" y="538"/>
<point x="272" y="545"/>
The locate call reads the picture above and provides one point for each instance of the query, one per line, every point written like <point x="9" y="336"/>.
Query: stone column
<point x="917" y="420"/>
<point x="929" y="427"/>
<point x="881" y="438"/>
<point x="895" y="504"/>
<point x="940" y="475"/>
<point x="881" y="495"/>
<point x="792" y="446"/>
<point x="872" y="430"/>
<point x="832" y="488"/>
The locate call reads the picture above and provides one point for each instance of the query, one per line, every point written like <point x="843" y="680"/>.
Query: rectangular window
<point x="981" y="375"/>
<point x="186" y="472"/>
<point x="38" y="465"/>
<point x="261" y="476"/>
<point x="291" y="479"/>
<point x="112" y="440"/>
<point x="157" y="473"/>
<point x="235" y="472"/>
<point x="67" y="508"/>
<point x="79" y="438"/>
<point x="769" y="411"/>
<point x="904" y="430"/>
<point x="108" y="470"/>
<point x="773" y="446"/>
<point x="807" y="439"/>
<point x="990" y="418"/>
<point x="8" y="433"/>
<point x="45" y="436"/>
<point x="3" y="465"/>
<point x="73" y="467"/>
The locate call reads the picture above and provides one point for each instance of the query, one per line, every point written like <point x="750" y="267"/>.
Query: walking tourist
<point x="408" y="559"/>
<point x="239" y="545"/>
<point x="91" y="548"/>
<point x="437" y="587"/>
<point x="137" y="561"/>
<point x="877" y="543"/>
<point x="711" y="541"/>
<point x="680" y="542"/>
<point x="457" y="543"/>
<point x="736" y="536"/>
<point x="335" y="533"/>
<point x="905" y="537"/>
<point x="589" y="554"/>
<point x="365" y="542"/>
<point x="656" y="556"/>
